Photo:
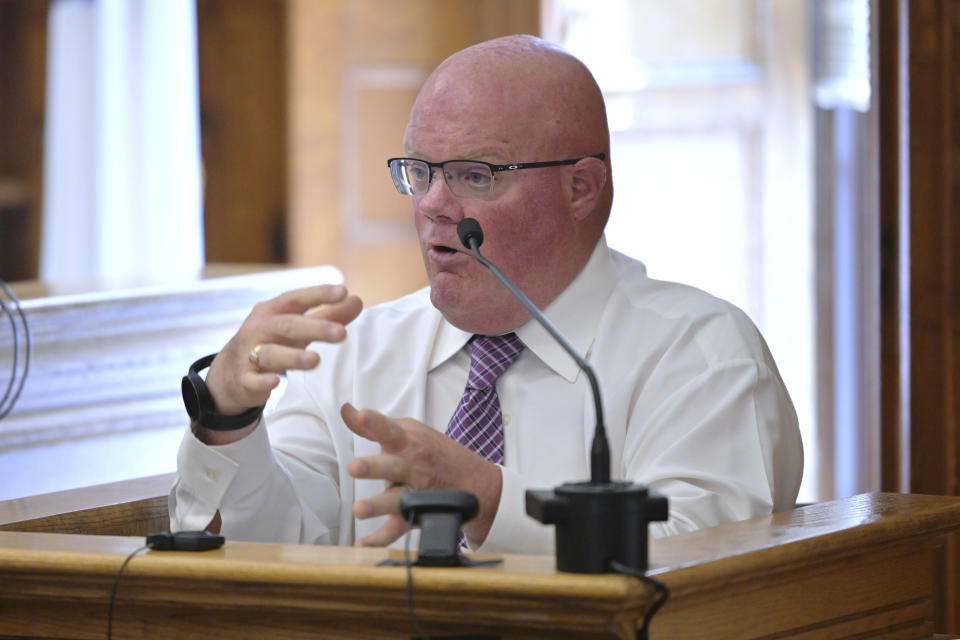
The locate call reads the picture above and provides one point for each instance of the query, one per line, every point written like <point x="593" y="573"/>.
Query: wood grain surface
<point x="864" y="567"/>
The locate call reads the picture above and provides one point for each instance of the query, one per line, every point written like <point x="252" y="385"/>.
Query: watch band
<point x="200" y="406"/>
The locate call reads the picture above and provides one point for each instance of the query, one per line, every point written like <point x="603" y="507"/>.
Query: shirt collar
<point x="575" y="313"/>
<point x="449" y="340"/>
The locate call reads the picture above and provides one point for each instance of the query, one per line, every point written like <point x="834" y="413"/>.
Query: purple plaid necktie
<point x="477" y="423"/>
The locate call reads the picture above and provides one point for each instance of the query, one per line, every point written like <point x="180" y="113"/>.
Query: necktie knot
<point x="489" y="357"/>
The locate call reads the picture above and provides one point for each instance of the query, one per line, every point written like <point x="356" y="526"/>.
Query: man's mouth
<point x="444" y="249"/>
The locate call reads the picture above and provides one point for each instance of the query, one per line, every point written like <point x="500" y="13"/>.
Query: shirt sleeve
<point x="285" y="493"/>
<point x="513" y="531"/>
<point x="723" y="446"/>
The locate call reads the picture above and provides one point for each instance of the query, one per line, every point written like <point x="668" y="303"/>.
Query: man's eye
<point x="478" y="178"/>
<point x="418" y="173"/>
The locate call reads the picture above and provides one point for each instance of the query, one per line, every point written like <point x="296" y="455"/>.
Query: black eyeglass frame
<point x="494" y="168"/>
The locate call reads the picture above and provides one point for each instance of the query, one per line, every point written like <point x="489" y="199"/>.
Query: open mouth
<point x="444" y="249"/>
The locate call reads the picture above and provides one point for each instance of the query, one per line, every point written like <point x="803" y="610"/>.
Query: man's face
<point x="528" y="229"/>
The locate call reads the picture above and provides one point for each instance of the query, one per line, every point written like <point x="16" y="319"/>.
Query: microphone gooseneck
<point x="601" y="526"/>
<point x="471" y="235"/>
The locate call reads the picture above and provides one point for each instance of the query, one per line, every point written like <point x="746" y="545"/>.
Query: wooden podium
<point x="865" y="567"/>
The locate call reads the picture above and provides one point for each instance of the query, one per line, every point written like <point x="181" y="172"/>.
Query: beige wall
<point x="354" y="71"/>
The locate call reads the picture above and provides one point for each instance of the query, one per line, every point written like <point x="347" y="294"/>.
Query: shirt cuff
<point x="209" y="474"/>
<point x="513" y="531"/>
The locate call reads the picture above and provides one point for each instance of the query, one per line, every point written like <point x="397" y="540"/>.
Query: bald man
<point x="513" y="133"/>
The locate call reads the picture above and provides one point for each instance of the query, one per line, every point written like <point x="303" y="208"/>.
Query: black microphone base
<point x="598" y="524"/>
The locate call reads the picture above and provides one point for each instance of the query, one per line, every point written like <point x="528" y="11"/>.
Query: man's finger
<point x="393" y="528"/>
<point x="391" y="468"/>
<point x="300" y="300"/>
<point x="277" y="358"/>
<point x="259" y="383"/>
<point x="374" y="426"/>
<point x="342" y="312"/>
<point x="300" y="330"/>
<point x="382" y="504"/>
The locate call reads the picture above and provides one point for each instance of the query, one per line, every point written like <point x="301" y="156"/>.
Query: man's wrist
<point x="214" y="437"/>
<point x="201" y="407"/>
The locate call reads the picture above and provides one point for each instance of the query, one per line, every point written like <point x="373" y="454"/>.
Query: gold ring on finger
<point x="254" y="356"/>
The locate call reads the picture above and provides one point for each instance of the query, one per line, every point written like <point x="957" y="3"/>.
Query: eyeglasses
<point x="466" y="178"/>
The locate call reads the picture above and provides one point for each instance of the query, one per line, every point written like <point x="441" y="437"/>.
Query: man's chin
<point x="475" y="314"/>
<point x="449" y="300"/>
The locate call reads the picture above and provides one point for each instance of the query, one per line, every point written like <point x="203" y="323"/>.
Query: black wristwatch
<point x="199" y="402"/>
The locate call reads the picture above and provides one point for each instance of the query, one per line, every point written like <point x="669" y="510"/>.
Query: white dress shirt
<point x="694" y="407"/>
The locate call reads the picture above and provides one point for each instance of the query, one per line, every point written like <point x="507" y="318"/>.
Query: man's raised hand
<point x="279" y="329"/>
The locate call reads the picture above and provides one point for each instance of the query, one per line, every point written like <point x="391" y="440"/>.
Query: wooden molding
<point x="109" y="363"/>
<point x="128" y="508"/>
<point x="919" y="108"/>
<point x="112" y="361"/>
<point x="861" y="567"/>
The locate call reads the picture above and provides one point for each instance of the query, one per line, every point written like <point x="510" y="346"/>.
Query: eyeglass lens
<point x="465" y="179"/>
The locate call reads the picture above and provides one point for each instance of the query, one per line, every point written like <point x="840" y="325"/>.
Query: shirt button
<point x="506" y="419"/>
<point x="211" y="475"/>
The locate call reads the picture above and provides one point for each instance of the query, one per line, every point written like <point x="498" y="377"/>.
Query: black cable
<point x="16" y="353"/>
<point x="5" y="410"/>
<point x="116" y="583"/>
<point x="409" y="563"/>
<point x="643" y="632"/>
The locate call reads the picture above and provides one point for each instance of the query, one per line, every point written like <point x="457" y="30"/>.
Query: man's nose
<point x="439" y="202"/>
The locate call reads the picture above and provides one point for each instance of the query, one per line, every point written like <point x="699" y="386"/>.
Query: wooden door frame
<point x="919" y="102"/>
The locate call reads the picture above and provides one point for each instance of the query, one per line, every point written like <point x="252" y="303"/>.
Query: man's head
<point x="511" y="100"/>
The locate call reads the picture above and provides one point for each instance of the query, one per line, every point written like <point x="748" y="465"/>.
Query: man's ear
<point x="588" y="177"/>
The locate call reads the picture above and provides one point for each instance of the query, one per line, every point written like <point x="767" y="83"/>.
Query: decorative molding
<point x="110" y="362"/>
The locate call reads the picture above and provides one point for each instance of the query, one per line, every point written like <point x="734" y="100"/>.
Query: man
<point x="694" y="404"/>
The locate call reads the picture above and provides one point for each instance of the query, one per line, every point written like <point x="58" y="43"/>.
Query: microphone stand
<point x="599" y="523"/>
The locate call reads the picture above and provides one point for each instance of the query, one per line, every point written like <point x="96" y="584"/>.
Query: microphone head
<point x="469" y="230"/>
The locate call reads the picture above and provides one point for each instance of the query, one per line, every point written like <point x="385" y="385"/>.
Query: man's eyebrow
<point x="489" y="155"/>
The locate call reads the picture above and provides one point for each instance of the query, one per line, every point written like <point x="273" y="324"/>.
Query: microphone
<point x="471" y="235"/>
<point x="599" y="524"/>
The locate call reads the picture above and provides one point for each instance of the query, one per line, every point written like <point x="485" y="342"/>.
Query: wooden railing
<point x="128" y="508"/>
<point x="869" y="566"/>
